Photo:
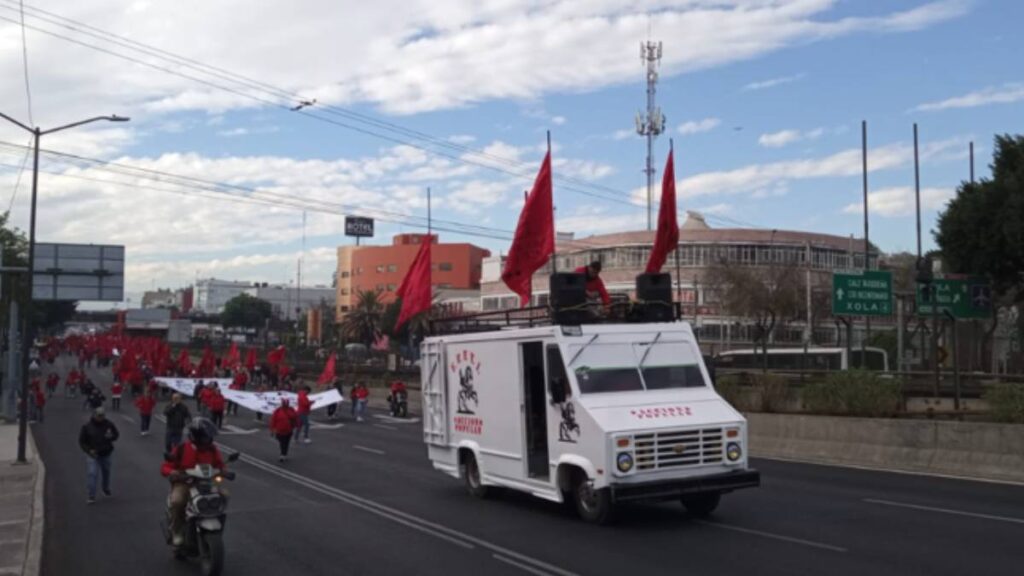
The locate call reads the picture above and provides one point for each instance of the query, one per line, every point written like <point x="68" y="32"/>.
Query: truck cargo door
<point x="434" y="390"/>
<point x="534" y="409"/>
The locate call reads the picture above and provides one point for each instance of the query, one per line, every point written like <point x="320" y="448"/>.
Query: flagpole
<point x="430" y="238"/>
<point x="554" y="257"/>
<point x="675" y="252"/>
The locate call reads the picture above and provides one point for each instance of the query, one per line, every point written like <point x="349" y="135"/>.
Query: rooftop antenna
<point x="652" y="122"/>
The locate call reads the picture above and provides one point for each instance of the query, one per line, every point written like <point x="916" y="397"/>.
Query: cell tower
<point x="651" y="123"/>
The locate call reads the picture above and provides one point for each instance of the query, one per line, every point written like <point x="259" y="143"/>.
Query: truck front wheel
<point x="593" y="505"/>
<point x="702" y="505"/>
<point x="471" y="474"/>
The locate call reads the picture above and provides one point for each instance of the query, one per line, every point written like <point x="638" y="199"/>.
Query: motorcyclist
<point x="199" y="449"/>
<point x="398" y="393"/>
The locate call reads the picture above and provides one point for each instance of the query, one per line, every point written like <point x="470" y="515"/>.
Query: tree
<point x="982" y="229"/>
<point x="363" y="322"/>
<point x="767" y="295"/>
<point x="246" y="311"/>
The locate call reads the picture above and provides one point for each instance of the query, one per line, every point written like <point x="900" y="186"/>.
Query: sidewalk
<point x="21" y="506"/>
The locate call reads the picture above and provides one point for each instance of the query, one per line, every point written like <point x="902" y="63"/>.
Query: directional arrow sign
<point x="960" y="296"/>
<point x="862" y="293"/>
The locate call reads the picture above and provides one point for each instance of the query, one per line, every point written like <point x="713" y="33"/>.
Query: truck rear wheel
<point x="471" y="474"/>
<point x="701" y="505"/>
<point x="593" y="505"/>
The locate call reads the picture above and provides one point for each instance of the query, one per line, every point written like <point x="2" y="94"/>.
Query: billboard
<point x="90" y="272"/>
<point x="358" y="226"/>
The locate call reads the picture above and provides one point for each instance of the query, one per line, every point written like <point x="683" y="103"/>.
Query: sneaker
<point x="307" y="441"/>
<point x="177" y="540"/>
<point x="281" y="459"/>
<point x="91" y="500"/>
<point x="106" y="492"/>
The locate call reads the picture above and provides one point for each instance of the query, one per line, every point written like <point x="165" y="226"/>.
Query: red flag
<point x="250" y="360"/>
<point x="415" y="290"/>
<point x="184" y="362"/>
<point x="233" y="358"/>
<point x="667" y="238"/>
<point x="207" y="363"/>
<point x="327" y="376"/>
<point x="534" y="242"/>
<point x="276" y="356"/>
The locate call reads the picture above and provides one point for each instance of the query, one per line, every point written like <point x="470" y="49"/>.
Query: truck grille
<point x="678" y="448"/>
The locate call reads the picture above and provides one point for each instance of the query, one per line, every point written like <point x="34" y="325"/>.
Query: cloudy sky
<point x="214" y="173"/>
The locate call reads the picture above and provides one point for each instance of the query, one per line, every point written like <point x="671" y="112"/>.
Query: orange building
<point x="382" y="268"/>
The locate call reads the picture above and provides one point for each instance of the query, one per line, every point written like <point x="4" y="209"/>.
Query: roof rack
<point x="534" y="316"/>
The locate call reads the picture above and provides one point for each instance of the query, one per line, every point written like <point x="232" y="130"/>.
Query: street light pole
<point x="27" y="338"/>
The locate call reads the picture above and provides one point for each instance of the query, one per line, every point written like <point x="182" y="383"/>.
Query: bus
<point x="798" y="359"/>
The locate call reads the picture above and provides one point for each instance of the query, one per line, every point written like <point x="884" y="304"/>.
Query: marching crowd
<point x="187" y="435"/>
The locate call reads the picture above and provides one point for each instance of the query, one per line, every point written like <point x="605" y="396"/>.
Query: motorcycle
<point x="399" y="402"/>
<point x="205" y="517"/>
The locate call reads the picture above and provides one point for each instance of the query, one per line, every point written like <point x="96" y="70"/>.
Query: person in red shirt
<point x="71" y="384"/>
<point x="282" y="425"/>
<point x="199" y="449"/>
<point x="361" y="395"/>
<point x="115" y="395"/>
<point x="214" y="402"/>
<point x="399" y="394"/>
<point x="305" y="406"/>
<point x="40" y="400"/>
<point x="238" y="382"/>
<point x="51" y="384"/>
<point x="595" y="286"/>
<point x="145" y="404"/>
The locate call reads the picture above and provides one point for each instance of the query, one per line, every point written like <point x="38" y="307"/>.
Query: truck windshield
<point x="602" y="367"/>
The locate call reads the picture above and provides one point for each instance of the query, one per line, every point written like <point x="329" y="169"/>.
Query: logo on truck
<point x="568" y="426"/>
<point x="467" y="368"/>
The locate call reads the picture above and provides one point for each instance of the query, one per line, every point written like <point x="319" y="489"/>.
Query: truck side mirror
<point x="557" y="386"/>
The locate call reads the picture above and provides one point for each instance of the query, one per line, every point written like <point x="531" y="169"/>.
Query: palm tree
<point x="362" y="323"/>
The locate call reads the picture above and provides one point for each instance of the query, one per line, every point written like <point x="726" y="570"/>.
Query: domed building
<point x="624" y="255"/>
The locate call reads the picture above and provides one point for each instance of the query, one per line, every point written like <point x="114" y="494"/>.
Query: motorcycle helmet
<point x="202" y="432"/>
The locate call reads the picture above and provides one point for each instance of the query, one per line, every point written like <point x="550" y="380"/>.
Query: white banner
<point x="263" y="402"/>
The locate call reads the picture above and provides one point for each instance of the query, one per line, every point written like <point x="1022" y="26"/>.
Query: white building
<point x="211" y="294"/>
<point x="286" y="299"/>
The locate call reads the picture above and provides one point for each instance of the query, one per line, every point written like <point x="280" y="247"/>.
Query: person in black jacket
<point x="177" y="416"/>
<point x="97" y="439"/>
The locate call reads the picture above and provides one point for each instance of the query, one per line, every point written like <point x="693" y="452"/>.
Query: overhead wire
<point x="606" y="193"/>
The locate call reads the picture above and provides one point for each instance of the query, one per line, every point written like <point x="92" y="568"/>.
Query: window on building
<point x="380" y="287"/>
<point x="344" y="308"/>
<point x="359" y="271"/>
<point x="391" y="287"/>
<point x="380" y="268"/>
<point x="344" y="274"/>
<point x="444" y="285"/>
<point x="344" y="291"/>
<point x="392" y="268"/>
<point x="445" y="267"/>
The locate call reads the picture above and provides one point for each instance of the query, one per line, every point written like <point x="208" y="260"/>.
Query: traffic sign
<point x="960" y="296"/>
<point x="862" y="293"/>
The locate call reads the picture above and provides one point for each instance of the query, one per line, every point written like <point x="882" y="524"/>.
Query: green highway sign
<point x="862" y="293"/>
<point x="960" y="296"/>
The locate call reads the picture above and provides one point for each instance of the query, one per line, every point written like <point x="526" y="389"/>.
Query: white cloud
<point x="899" y="201"/>
<point x="1005" y="94"/>
<point x="698" y="126"/>
<point x="413" y="55"/>
<point x="786" y="137"/>
<point x="462" y="139"/>
<point x="558" y="120"/>
<point x="472" y="196"/>
<point x="772" y="82"/>
<point x="582" y="169"/>
<point x="243" y="131"/>
<point x="775" y="175"/>
<point x="623" y="134"/>
<point x="720" y="208"/>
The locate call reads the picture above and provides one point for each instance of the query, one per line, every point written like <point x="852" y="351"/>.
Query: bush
<point x="1006" y="401"/>
<point x="732" y="389"/>
<point x="853" y="393"/>
<point x="773" y="391"/>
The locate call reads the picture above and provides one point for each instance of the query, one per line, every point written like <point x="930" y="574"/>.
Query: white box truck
<point x="596" y="415"/>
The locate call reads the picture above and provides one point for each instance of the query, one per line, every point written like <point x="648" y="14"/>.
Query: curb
<point x="34" y="545"/>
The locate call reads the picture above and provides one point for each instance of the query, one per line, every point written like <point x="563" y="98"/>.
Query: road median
<point x="977" y="450"/>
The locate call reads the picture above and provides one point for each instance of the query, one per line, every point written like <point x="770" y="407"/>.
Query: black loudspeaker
<point x="569" y="298"/>
<point x="654" y="293"/>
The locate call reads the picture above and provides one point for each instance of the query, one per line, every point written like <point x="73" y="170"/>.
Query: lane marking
<point x="945" y="511"/>
<point x="370" y="450"/>
<point x="314" y="425"/>
<point x="393" y="420"/>
<point x="13" y="522"/>
<point x="889" y="470"/>
<point x="383" y="427"/>
<point x="398" y="516"/>
<point x="779" y="537"/>
<point x="519" y="565"/>
<point x="232" y="429"/>
<point x="127" y="417"/>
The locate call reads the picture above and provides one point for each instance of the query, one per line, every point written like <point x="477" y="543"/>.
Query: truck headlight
<point x="624" y="462"/>
<point x="733" y="451"/>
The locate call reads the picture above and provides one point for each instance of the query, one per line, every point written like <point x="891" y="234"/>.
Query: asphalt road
<point x="363" y="499"/>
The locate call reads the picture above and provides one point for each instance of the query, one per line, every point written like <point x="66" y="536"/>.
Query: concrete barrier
<point x="966" y="449"/>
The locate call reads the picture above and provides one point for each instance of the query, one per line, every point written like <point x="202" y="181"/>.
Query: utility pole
<point x="972" y="161"/>
<point x="867" y="244"/>
<point x="652" y="122"/>
<point x="27" y="336"/>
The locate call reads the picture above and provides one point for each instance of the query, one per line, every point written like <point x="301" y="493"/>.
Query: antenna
<point x="652" y="122"/>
